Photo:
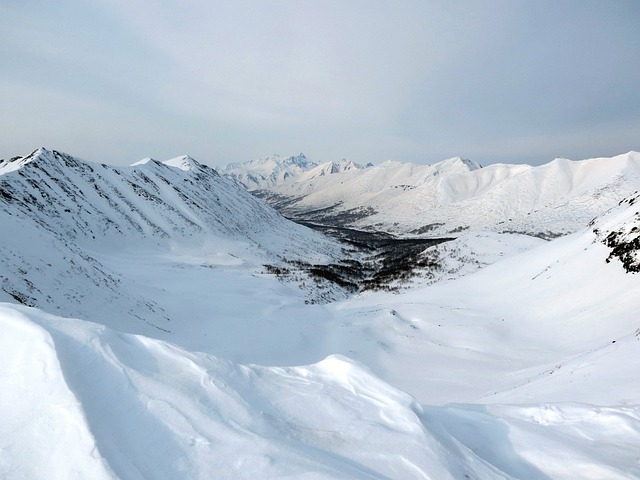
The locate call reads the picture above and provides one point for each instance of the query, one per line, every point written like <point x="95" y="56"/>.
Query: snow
<point x="270" y="170"/>
<point x="467" y="254"/>
<point x="183" y="162"/>
<point x="103" y="404"/>
<point x="553" y="199"/>
<point x="144" y="161"/>
<point x="180" y="356"/>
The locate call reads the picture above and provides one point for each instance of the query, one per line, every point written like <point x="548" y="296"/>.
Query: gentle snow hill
<point x="456" y="194"/>
<point x="468" y="253"/>
<point x="59" y="214"/>
<point x="83" y="401"/>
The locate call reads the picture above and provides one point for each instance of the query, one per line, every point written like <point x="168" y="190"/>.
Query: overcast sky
<point x="494" y="81"/>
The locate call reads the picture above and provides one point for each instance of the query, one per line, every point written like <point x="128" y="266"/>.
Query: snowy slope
<point x="526" y="368"/>
<point x="467" y="254"/>
<point x="83" y="401"/>
<point x="456" y="194"/>
<point x="558" y="322"/>
<point x="150" y="201"/>
<point x="59" y="214"/>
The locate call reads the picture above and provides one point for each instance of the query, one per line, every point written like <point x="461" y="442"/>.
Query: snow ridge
<point x="274" y="170"/>
<point x="151" y="201"/>
<point x="76" y="211"/>
<point x="148" y="407"/>
<point x="456" y="194"/>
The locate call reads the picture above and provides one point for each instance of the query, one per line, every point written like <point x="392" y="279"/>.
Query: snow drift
<point x="82" y="401"/>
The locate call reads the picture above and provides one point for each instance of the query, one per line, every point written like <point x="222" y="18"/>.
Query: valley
<point x="159" y="321"/>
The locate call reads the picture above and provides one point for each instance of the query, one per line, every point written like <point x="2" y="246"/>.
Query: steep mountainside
<point x="60" y="214"/>
<point x="457" y="195"/>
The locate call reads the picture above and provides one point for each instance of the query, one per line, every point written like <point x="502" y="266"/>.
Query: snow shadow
<point x="130" y="439"/>
<point x="472" y="433"/>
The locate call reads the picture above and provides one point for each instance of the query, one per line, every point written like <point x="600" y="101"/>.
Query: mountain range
<point x="448" y="197"/>
<point x="79" y="212"/>
<point x="160" y="321"/>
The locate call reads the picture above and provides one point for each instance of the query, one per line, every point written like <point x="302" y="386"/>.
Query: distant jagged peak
<point x="269" y="171"/>
<point x="345" y="165"/>
<point x="274" y="161"/>
<point x="299" y="160"/>
<point x="333" y="167"/>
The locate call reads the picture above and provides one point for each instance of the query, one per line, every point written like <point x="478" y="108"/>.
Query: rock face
<point x="620" y="231"/>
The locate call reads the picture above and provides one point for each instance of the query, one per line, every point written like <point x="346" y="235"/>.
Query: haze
<point x="493" y="81"/>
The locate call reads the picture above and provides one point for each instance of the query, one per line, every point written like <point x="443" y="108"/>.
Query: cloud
<point x="368" y="80"/>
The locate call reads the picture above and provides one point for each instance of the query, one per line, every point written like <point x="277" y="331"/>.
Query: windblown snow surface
<point x="188" y="360"/>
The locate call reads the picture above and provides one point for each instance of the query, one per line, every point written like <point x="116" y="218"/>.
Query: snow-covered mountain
<point x="269" y="171"/>
<point x="190" y="359"/>
<point x="457" y="195"/>
<point x="179" y="199"/>
<point x="61" y="215"/>
<point x="274" y="171"/>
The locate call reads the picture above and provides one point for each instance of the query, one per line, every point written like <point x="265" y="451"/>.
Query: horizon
<point x="308" y="157"/>
<point x="419" y="82"/>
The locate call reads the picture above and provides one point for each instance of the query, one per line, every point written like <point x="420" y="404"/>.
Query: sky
<point x="513" y="81"/>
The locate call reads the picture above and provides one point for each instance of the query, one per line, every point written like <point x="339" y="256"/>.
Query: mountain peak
<point x="183" y="162"/>
<point x="344" y="165"/>
<point x="457" y="165"/>
<point x="268" y="171"/>
<point x="144" y="161"/>
<point x="38" y="156"/>
<point x="299" y="161"/>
